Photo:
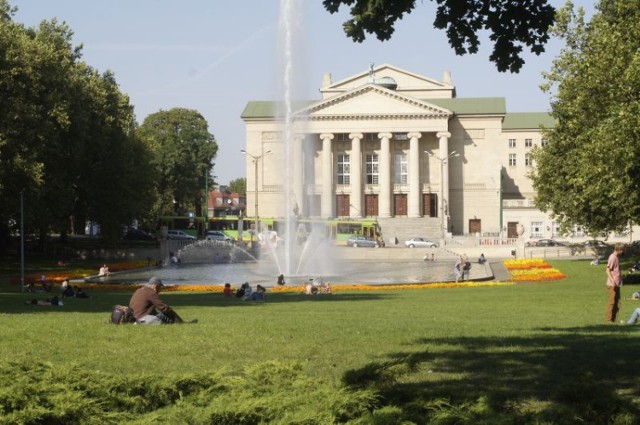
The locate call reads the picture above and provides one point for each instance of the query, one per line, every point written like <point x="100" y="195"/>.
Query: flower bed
<point x="296" y="288"/>
<point x="532" y="270"/>
<point x="59" y="276"/>
<point x="524" y="264"/>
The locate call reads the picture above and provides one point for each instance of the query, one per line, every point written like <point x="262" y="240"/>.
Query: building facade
<point x="398" y="146"/>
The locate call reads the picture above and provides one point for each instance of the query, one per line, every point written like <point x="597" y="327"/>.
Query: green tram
<point x="243" y="227"/>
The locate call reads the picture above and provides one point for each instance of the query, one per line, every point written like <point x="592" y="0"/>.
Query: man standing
<point x="614" y="282"/>
<point x="149" y="309"/>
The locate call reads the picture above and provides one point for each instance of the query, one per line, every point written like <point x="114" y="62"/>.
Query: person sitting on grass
<point x="80" y="293"/>
<point x="227" y="291"/>
<point x="67" y="290"/>
<point x="634" y="317"/>
<point x="259" y="293"/>
<point x="325" y="288"/>
<point x="247" y="291"/>
<point x="149" y="309"/>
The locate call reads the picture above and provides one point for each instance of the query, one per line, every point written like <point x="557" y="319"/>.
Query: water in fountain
<point x="311" y="254"/>
<point x="208" y="251"/>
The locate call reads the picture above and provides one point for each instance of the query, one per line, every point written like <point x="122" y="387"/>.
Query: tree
<point x="589" y="173"/>
<point x="512" y="24"/>
<point x="66" y="136"/>
<point x="238" y="185"/>
<point x="183" y="151"/>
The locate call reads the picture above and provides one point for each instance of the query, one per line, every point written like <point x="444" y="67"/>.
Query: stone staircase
<point x="404" y="228"/>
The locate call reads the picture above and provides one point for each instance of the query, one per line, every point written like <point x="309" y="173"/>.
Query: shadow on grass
<point x="103" y="301"/>
<point x="587" y="375"/>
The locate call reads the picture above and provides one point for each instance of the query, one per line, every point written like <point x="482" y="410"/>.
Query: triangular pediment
<point x="372" y="100"/>
<point x="407" y="82"/>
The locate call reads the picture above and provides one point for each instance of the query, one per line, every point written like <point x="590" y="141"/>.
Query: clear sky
<point x="215" y="56"/>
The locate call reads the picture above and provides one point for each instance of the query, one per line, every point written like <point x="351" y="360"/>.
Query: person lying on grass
<point x="52" y="301"/>
<point x="149" y="309"/>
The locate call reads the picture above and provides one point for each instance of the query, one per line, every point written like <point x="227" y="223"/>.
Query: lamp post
<point x="206" y="201"/>
<point x="256" y="158"/>
<point x="442" y="217"/>
<point x="22" y="240"/>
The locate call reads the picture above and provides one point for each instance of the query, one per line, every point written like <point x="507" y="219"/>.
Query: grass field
<point x="529" y="353"/>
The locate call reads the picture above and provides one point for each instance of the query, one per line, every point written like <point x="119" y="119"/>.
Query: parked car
<point x="549" y="242"/>
<point x="217" y="235"/>
<point x="420" y="243"/>
<point x="360" y="240"/>
<point x="179" y="235"/>
<point x="134" y="234"/>
<point x="594" y="243"/>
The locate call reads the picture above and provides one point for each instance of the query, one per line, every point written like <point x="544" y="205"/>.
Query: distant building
<point x="223" y="202"/>
<point x="403" y="148"/>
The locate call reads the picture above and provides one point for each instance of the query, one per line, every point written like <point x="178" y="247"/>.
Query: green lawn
<point x="531" y="353"/>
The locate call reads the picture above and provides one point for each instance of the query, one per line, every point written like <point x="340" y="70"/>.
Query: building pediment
<point x="407" y="82"/>
<point x="374" y="102"/>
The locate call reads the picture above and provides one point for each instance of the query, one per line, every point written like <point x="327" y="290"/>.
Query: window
<point x="528" y="161"/>
<point x="512" y="160"/>
<point x="400" y="168"/>
<point x="372" y="168"/>
<point x="343" y="169"/>
<point x="578" y="231"/>
<point x="528" y="143"/>
<point x="342" y="137"/>
<point x="400" y="136"/>
<point x="370" y="136"/>
<point x="544" y="143"/>
<point x="512" y="143"/>
<point x="555" y="229"/>
<point x="536" y="229"/>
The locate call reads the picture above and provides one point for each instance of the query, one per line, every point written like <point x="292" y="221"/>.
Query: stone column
<point x="413" y="202"/>
<point x="384" y="175"/>
<point x="326" y="202"/>
<point x="443" y="147"/>
<point x="298" y="175"/>
<point x="356" y="175"/>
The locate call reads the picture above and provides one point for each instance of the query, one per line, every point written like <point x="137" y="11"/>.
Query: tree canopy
<point x="511" y="24"/>
<point x="66" y="136"/>
<point x="238" y="185"/>
<point x="589" y="173"/>
<point x="183" y="151"/>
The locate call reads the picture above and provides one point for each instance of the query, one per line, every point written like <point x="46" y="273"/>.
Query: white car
<point x="420" y="243"/>
<point x="179" y="234"/>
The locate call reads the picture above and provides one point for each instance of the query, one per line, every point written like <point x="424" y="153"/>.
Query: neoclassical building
<point x="400" y="147"/>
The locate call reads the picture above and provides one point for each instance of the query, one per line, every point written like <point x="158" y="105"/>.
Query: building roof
<point x="527" y="120"/>
<point x="270" y="108"/>
<point x="459" y="106"/>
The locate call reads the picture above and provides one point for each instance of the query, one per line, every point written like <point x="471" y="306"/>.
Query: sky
<point x="214" y="56"/>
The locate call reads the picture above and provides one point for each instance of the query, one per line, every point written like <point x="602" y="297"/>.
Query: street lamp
<point x="256" y="158"/>
<point x="442" y="217"/>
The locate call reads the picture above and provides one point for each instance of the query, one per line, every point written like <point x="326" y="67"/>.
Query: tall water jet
<point x="289" y="31"/>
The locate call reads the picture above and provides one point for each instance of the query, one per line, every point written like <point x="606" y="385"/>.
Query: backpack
<point x="121" y="314"/>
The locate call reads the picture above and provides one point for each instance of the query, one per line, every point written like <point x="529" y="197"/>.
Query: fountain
<point x="299" y="252"/>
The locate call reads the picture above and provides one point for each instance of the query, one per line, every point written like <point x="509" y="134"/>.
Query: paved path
<point x="500" y="273"/>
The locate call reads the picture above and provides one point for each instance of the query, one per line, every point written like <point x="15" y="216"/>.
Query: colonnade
<point x="385" y="187"/>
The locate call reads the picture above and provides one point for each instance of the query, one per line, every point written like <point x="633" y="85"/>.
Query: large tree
<point x="511" y="24"/>
<point x="66" y="135"/>
<point x="589" y="173"/>
<point x="183" y="152"/>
